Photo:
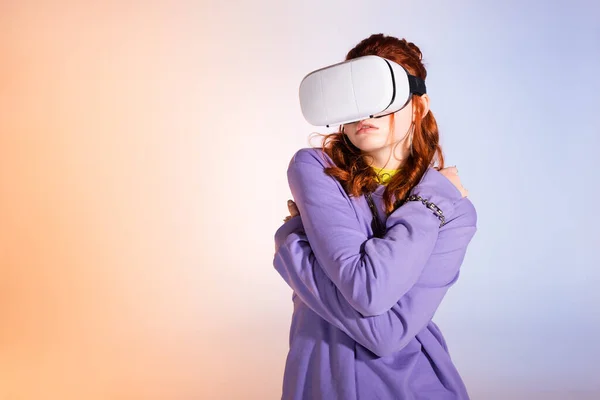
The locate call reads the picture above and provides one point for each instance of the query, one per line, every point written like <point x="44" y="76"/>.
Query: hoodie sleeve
<point x="389" y="332"/>
<point x="370" y="273"/>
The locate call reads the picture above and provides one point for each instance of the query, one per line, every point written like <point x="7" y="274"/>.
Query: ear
<point x="424" y="99"/>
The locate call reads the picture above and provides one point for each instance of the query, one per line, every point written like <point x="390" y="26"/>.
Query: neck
<point x="388" y="157"/>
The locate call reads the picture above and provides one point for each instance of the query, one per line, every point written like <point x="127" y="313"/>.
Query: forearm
<point x="393" y="329"/>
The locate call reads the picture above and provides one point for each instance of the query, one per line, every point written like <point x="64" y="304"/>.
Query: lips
<point x="362" y="127"/>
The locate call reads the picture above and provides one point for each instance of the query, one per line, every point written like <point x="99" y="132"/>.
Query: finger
<point x="293" y="207"/>
<point x="450" y="171"/>
<point x="293" y="211"/>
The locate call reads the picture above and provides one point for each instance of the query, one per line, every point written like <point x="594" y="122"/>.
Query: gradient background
<point x="143" y="149"/>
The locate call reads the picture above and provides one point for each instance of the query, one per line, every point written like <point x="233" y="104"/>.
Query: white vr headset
<point x="361" y="88"/>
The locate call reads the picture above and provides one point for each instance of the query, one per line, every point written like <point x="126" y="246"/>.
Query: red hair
<point x="351" y="168"/>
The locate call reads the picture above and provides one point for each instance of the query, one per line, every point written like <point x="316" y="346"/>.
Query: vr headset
<point x="361" y="88"/>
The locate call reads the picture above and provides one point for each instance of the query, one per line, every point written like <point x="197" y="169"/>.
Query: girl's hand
<point x="452" y="174"/>
<point x="293" y="211"/>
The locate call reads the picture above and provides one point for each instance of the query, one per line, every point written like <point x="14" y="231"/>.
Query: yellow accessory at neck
<point x="384" y="175"/>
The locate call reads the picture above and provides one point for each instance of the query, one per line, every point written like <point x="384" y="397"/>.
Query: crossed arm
<point x="371" y="274"/>
<point x="390" y="331"/>
<point x="379" y="291"/>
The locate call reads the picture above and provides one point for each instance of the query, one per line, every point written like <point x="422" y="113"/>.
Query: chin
<point x="369" y="147"/>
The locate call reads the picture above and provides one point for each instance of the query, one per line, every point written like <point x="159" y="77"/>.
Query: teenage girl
<point x="375" y="238"/>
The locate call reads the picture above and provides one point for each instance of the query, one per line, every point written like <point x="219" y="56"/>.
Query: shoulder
<point x="311" y="162"/>
<point x="432" y="178"/>
<point x="465" y="213"/>
<point x="306" y="172"/>
<point x="464" y="209"/>
<point x="312" y="156"/>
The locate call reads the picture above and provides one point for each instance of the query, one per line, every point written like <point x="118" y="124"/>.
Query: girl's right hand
<point x="452" y="174"/>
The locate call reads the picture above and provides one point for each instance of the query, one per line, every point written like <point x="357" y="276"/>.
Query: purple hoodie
<point x="361" y="326"/>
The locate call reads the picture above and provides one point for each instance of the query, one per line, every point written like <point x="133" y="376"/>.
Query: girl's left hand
<point x="293" y="211"/>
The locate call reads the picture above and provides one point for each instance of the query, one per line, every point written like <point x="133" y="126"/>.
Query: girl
<point x="375" y="239"/>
